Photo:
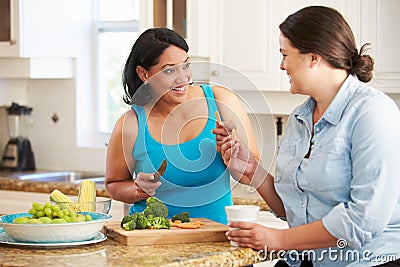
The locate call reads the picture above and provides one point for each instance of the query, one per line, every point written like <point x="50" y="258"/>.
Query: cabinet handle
<point x="215" y="73"/>
<point x="13" y="41"/>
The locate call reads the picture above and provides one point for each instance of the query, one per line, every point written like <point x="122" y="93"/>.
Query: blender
<point x="18" y="154"/>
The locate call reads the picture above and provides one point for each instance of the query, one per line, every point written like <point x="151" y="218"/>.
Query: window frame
<point x="100" y="105"/>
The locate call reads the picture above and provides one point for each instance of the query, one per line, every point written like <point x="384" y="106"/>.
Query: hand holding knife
<point x="161" y="170"/>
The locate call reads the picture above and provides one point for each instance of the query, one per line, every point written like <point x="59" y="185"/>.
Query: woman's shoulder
<point x="128" y="118"/>
<point x="223" y="94"/>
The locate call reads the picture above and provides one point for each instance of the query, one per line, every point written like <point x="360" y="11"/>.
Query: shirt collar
<point x="336" y="107"/>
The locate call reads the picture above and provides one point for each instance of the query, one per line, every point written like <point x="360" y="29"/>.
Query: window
<point x="116" y="29"/>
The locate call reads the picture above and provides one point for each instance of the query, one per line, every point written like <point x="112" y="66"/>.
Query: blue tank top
<point x="196" y="179"/>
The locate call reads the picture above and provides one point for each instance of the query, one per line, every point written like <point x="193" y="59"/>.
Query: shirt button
<point x="304" y="205"/>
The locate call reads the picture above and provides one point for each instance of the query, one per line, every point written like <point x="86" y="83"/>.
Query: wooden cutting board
<point x="210" y="232"/>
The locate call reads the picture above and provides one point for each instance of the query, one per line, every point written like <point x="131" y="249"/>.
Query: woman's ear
<point x="142" y="73"/>
<point x="314" y="59"/>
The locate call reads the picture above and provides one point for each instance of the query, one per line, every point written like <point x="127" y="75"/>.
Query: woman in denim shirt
<point x="337" y="178"/>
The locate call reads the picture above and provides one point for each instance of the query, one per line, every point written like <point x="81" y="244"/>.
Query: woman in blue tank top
<point x="172" y="119"/>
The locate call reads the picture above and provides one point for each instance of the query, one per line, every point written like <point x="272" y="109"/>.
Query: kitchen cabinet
<point x="379" y="24"/>
<point x="374" y="22"/>
<point x="44" y="28"/>
<point x="244" y="40"/>
<point x="46" y="33"/>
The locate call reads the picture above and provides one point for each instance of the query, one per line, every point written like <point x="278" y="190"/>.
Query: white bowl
<point x="53" y="233"/>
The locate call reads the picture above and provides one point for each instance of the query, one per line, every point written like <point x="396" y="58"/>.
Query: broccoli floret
<point x="160" y="223"/>
<point x="183" y="217"/>
<point x="126" y="219"/>
<point x="131" y="225"/>
<point x="141" y="221"/>
<point x="156" y="208"/>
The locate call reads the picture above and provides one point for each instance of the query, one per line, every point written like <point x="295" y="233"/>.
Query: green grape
<point x="88" y="217"/>
<point x="45" y="220"/>
<point x="34" y="221"/>
<point x="47" y="211"/>
<point x="21" y="220"/>
<point x="38" y="206"/>
<point x="47" y="204"/>
<point x="56" y="207"/>
<point x="67" y="218"/>
<point x="40" y="213"/>
<point x="32" y="211"/>
<point x="65" y="212"/>
<point x="60" y="214"/>
<point x="80" y="218"/>
<point x="58" y="220"/>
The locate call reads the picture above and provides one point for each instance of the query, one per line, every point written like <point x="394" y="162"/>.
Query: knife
<point x="161" y="170"/>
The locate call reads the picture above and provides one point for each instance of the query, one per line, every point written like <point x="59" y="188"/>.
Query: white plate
<point x="4" y="239"/>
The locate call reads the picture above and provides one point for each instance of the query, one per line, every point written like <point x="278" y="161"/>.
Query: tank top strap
<point x="140" y="143"/>
<point x="141" y="115"/>
<point x="209" y="94"/>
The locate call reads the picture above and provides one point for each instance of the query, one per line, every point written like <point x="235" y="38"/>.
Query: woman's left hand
<point x="221" y="130"/>
<point x="256" y="236"/>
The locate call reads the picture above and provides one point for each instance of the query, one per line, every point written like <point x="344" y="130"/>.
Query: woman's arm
<point x="118" y="179"/>
<point x="232" y="112"/>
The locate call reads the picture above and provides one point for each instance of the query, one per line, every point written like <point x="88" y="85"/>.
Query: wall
<point x="54" y="144"/>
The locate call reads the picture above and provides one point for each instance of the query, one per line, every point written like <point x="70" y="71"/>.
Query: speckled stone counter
<point x="67" y="188"/>
<point x="111" y="253"/>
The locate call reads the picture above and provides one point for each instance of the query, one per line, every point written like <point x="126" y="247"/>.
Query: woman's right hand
<point x="238" y="157"/>
<point x="145" y="185"/>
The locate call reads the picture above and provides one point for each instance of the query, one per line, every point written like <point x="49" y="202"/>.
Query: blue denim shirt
<point x="351" y="179"/>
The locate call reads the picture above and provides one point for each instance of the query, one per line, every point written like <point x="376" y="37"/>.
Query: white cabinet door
<point x="47" y="28"/>
<point x="380" y="22"/>
<point x="244" y="38"/>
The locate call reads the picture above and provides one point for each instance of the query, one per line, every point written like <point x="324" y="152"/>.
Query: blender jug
<point x="18" y="154"/>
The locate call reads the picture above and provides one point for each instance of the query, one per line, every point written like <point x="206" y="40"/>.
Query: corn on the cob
<point x="87" y="195"/>
<point x="58" y="196"/>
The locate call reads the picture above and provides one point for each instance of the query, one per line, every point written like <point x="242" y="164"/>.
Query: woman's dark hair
<point x="146" y="52"/>
<point x="323" y="30"/>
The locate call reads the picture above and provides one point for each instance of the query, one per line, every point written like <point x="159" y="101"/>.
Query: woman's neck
<point x="327" y="89"/>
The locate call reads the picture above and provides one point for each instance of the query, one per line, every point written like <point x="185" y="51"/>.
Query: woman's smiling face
<point x="295" y="65"/>
<point x="171" y="75"/>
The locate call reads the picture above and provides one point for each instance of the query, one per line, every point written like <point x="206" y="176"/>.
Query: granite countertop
<point x="112" y="253"/>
